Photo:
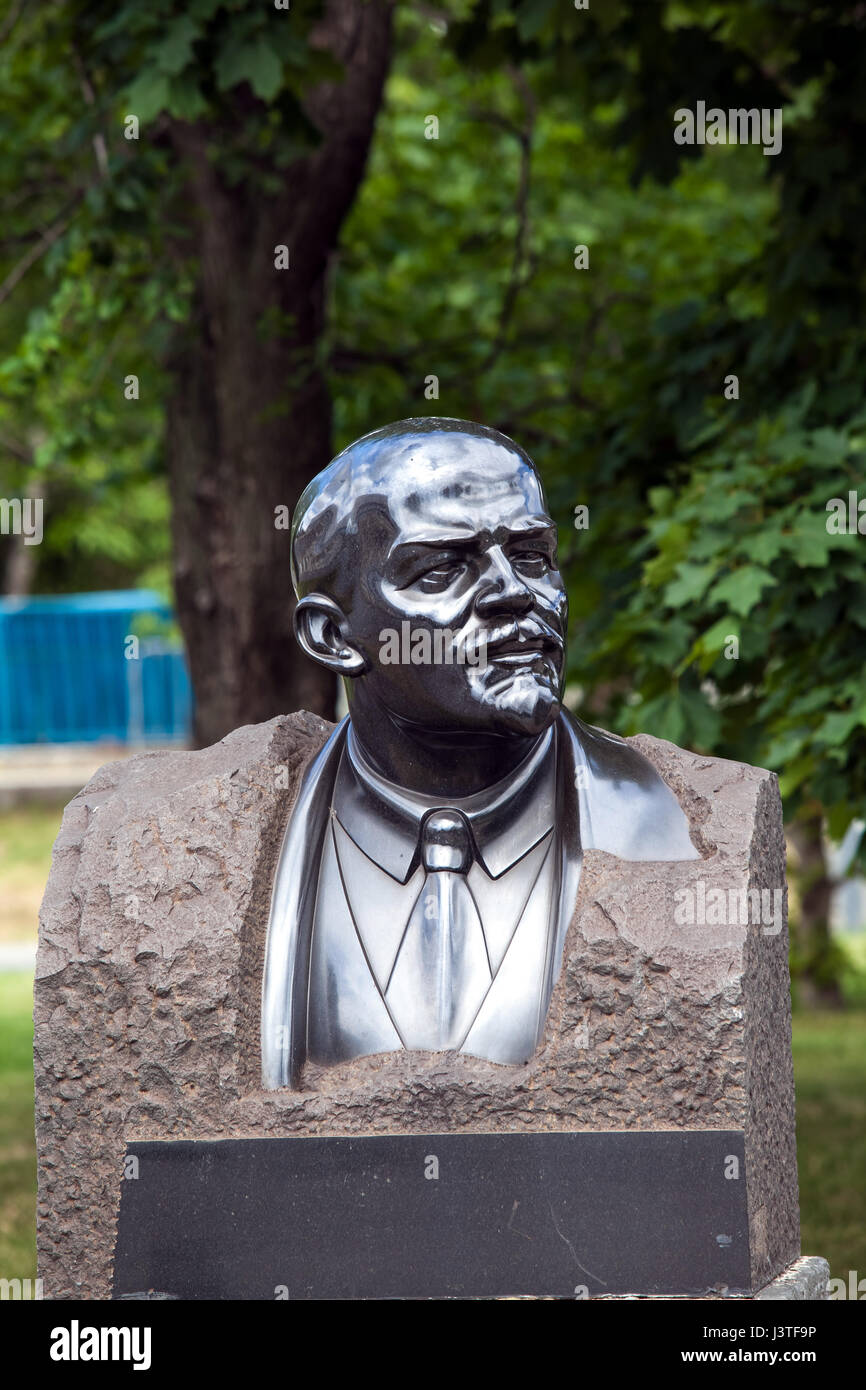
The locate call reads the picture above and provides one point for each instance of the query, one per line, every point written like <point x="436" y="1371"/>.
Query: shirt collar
<point x="507" y="819"/>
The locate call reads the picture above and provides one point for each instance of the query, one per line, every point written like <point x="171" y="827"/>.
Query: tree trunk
<point x="815" y="958"/>
<point x="22" y="560"/>
<point x="249" y="421"/>
<point x="20" y="568"/>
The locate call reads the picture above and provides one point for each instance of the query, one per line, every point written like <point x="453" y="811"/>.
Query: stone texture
<point x="807" y="1279"/>
<point x="149" y="974"/>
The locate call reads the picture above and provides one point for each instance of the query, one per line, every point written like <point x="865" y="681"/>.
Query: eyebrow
<point x="420" y="547"/>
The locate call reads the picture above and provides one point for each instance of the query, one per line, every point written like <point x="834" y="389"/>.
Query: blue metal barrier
<point x="70" y="674"/>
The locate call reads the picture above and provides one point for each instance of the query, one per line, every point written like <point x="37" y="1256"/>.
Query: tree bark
<point x="249" y="421"/>
<point x="22" y="560"/>
<point x="20" y="568"/>
<point x="815" y="960"/>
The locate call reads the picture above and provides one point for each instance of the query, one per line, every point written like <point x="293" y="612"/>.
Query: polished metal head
<point x="424" y="560"/>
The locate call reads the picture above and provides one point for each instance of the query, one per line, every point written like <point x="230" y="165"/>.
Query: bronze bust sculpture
<point x="430" y="868"/>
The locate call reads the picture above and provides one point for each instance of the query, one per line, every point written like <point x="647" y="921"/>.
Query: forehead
<point x="459" y="485"/>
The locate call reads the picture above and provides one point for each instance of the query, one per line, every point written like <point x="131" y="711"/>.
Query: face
<point x="470" y="561"/>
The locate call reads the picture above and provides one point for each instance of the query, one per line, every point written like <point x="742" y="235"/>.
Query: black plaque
<point x="435" y="1216"/>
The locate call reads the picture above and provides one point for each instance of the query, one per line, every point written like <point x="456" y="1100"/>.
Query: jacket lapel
<point x="290" y="924"/>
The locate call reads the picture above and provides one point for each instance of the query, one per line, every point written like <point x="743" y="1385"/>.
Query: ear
<point x="319" y="627"/>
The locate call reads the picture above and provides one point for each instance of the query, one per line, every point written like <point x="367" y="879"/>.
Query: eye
<point x="531" y="562"/>
<point x="441" y="576"/>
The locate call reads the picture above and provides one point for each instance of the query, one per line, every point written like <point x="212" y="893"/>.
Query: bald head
<point x="437" y="529"/>
<point x="414" y="480"/>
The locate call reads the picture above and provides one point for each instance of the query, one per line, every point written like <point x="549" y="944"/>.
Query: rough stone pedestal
<point x="149" y="972"/>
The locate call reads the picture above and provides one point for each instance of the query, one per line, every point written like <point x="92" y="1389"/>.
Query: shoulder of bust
<point x="626" y="807"/>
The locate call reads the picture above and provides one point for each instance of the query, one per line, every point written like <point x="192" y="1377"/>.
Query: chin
<point x="523" y="705"/>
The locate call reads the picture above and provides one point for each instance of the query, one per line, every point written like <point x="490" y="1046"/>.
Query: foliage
<point x="96" y="265"/>
<point x="707" y="515"/>
<point x="741" y="551"/>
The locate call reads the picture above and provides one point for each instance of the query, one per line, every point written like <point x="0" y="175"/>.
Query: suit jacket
<point x="608" y="797"/>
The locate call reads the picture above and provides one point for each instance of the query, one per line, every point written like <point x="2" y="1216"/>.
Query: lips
<point x="523" y="646"/>
<point x="517" y="644"/>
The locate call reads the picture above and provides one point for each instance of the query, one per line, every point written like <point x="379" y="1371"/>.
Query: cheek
<point x="431" y="609"/>
<point x="554" y="597"/>
<point x="419" y="692"/>
<point x="374" y="608"/>
<point x="549" y="596"/>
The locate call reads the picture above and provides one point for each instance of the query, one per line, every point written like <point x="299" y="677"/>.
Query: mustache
<point x="516" y="634"/>
<point x="531" y="631"/>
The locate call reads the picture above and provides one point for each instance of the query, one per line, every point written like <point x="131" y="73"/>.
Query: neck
<point x="439" y="763"/>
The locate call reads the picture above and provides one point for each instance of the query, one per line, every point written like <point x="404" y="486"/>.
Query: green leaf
<point x="691" y="582"/>
<point x="766" y="544"/>
<point x="702" y="721"/>
<point x="709" y="646"/>
<point x="810" y="542"/>
<point x="666" y="718"/>
<point x="148" y="95"/>
<point x="837" y="727"/>
<point x="255" y="63"/>
<point x="829" y="448"/>
<point x="175" y="51"/>
<point x="794" y="773"/>
<point x="742" y="589"/>
<point x="186" y="100"/>
<point x="532" y="15"/>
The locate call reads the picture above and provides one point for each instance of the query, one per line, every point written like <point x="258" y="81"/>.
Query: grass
<point x="17" y="1141"/>
<point x="854" y="975"/>
<point x="26" y="836"/>
<point x="830" y="1074"/>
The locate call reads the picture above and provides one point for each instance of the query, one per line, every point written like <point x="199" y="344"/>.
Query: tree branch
<point x="10" y="21"/>
<point x="100" y="148"/>
<point x="19" y="450"/>
<point x="517" y="278"/>
<point x="36" y="252"/>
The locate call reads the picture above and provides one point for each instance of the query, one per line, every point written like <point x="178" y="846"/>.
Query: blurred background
<point x="234" y="236"/>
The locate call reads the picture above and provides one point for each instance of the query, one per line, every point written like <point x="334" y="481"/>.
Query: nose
<point x="500" y="588"/>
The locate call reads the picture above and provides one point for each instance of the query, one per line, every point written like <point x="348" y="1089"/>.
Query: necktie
<point x="442" y="971"/>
